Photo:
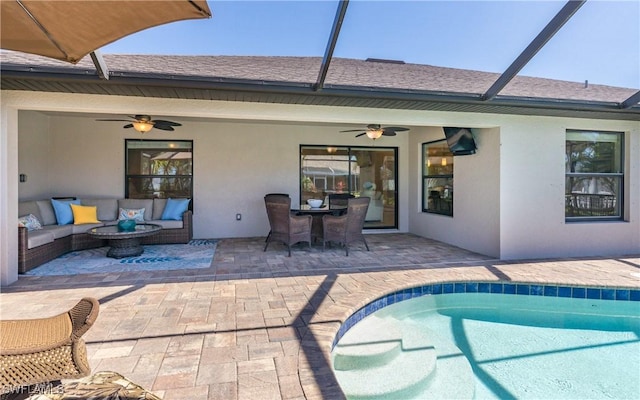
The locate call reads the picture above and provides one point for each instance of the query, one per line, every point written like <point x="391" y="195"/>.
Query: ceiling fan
<point x="374" y="131"/>
<point x="144" y="123"/>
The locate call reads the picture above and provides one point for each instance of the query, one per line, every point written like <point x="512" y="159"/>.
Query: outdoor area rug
<point x="195" y="254"/>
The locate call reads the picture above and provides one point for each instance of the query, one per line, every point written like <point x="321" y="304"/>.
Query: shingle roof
<point x="371" y="77"/>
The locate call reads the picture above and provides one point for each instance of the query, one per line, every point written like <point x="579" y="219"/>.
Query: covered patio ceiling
<point x="501" y="93"/>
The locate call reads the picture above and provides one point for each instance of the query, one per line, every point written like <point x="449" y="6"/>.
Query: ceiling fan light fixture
<point x="374" y="133"/>
<point x="144" y="123"/>
<point x="142" y="126"/>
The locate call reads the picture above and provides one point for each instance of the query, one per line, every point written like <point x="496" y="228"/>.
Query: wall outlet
<point x="238" y="217"/>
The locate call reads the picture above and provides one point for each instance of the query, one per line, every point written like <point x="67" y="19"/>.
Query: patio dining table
<point x="316" y="215"/>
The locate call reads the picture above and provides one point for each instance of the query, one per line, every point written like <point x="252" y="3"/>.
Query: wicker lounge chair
<point x="346" y="228"/>
<point x="35" y="351"/>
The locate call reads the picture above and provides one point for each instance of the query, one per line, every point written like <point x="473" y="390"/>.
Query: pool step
<point x="387" y="358"/>
<point x="372" y="360"/>
<point x="382" y="346"/>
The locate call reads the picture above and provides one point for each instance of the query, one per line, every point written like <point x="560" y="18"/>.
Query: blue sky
<point x="600" y="43"/>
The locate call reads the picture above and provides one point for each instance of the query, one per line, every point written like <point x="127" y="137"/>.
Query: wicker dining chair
<point x="273" y="195"/>
<point x="346" y="228"/>
<point x="37" y="351"/>
<point x="338" y="202"/>
<point x="285" y="227"/>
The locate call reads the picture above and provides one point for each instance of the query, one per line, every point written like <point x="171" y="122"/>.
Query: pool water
<point x="489" y="346"/>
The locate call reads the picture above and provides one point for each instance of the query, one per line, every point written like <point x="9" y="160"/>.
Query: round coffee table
<point x="124" y="243"/>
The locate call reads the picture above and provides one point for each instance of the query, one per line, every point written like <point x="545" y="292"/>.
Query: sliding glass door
<point x="360" y="171"/>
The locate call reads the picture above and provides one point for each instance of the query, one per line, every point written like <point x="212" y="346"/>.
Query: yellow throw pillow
<point x="84" y="214"/>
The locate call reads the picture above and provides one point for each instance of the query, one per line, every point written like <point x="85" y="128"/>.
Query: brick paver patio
<point x="259" y="325"/>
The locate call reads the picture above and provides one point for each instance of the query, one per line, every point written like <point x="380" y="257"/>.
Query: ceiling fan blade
<point x="158" y="124"/>
<point x="388" y="133"/>
<point x="353" y="130"/>
<point x="395" y="128"/>
<point x="363" y="133"/>
<point x="166" y="123"/>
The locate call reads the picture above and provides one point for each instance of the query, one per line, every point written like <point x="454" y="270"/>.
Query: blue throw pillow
<point x="62" y="209"/>
<point x="175" y="208"/>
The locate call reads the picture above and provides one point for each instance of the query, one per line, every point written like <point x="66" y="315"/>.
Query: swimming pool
<point x="492" y="340"/>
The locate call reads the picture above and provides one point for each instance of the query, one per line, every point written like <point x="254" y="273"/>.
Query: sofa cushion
<point x="83" y="228"/>
<point x="58" y="231"/>
<point x="62" y="208"/>
<point x="158" y="208"/>
<point x="30" y="222"/>
<point x="84" y="214"/>
<point x="46" y="212"/>
<point x="107" y="208"/>
<point x="30" y="207"/>
<point x="375" y="210"/>
<point x="147" y="204"/>
<point x="38" y="238"/>
<point x="175" y="208"/>
<point x="167" y="223"/>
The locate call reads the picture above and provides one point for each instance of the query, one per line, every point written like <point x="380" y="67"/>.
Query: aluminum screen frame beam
<point x="631" y="101"/>
<point x="567" y="11"/>
<point x="331" y="45"/>
<point x="101" y="66"/>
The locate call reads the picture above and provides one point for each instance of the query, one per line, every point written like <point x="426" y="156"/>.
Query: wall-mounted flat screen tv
<point x="460" y="141"/>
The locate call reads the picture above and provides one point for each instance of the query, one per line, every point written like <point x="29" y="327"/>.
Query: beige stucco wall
<point x="33" y="155"/>
<point x="475" y="221"/>
<point x="509" y="196"/>
<point x="532" y="200"/>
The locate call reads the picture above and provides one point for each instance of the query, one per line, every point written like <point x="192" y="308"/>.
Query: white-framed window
<point x="594" y="171"/>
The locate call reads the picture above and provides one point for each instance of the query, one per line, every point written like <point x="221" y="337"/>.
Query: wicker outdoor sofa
<point x="36" y="247"/>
